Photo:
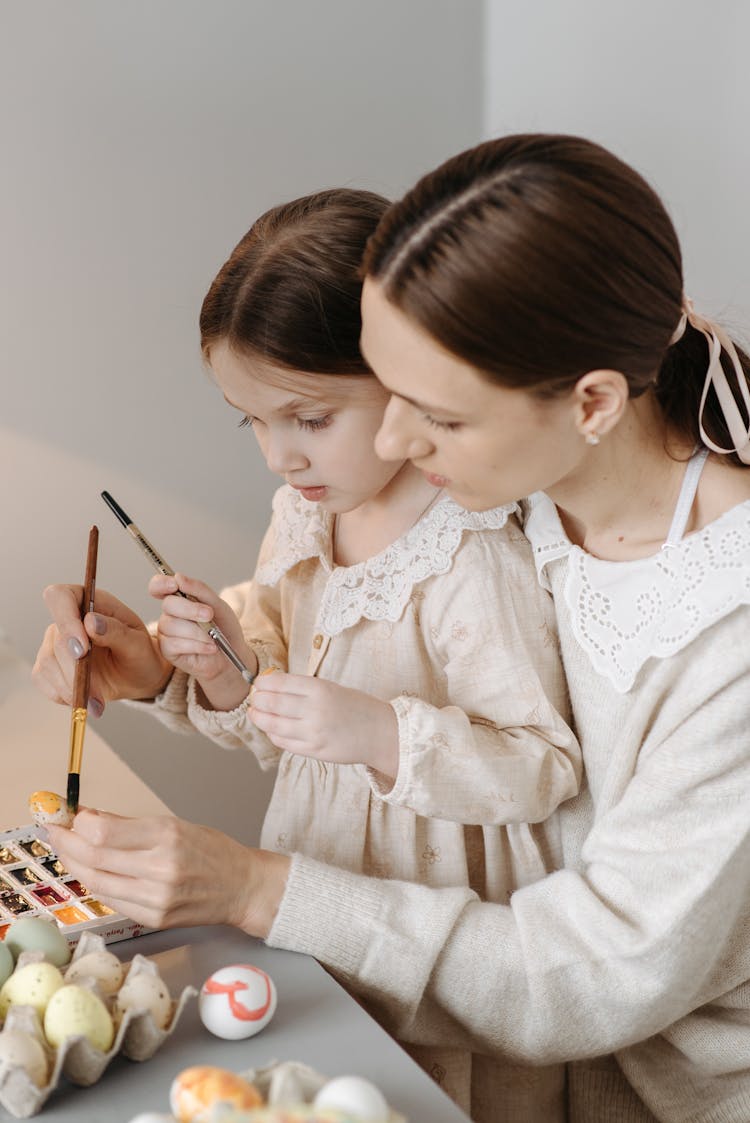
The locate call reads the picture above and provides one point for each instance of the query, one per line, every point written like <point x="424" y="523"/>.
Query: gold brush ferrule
<point x="77" y="730"/>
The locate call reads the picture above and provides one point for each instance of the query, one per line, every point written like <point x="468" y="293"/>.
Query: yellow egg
<point x="196" y="1090"/>
<point x="31" y="985"/>
<point x="20" y="1048"/>
<point x="74" y="1010"/>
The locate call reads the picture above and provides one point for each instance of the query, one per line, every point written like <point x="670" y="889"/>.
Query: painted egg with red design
<point x="237" y="1001"/>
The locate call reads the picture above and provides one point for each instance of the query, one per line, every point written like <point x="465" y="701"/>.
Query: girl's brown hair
<point x="539" y="257"/>
<point x="290" y="290"/>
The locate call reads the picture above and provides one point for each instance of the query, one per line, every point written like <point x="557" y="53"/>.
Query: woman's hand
<point x="164" y="872"/>
<point x="314" y="717"/>
<point x="186" y="645"/>
<point x="126" y="661"/>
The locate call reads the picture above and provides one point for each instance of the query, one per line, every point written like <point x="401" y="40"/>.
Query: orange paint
<point x="69" y="915"/>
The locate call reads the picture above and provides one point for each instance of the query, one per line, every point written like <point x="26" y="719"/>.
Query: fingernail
<point x="95" y="707"/>
<point x="75" y="647"/>
<point x="100" y="625"/>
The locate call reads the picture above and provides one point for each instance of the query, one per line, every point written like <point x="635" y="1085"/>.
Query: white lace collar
<point x="624" y="613"/>
<point x="379" y="588"/>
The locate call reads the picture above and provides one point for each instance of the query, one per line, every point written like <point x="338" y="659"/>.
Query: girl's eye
<point x="245" y="421"/>
<point x="313" y="423"/>
<point x="441" y="424"/>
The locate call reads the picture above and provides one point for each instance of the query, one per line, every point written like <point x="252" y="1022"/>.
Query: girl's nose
<point x="281" y="454"/>
<point x="396" y="439"/>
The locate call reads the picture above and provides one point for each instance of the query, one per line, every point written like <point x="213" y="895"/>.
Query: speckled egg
<point x="152" y="1117"/>
<point x="102" y="966"/>
<point x="20" y="1048"/>
<point x="355" y="1095"/>
<point x="6" y="962"/>
<point x="49" y="807"/>
<point x="237" y="1001"/>
<point x="74" y="1010"/>
<point x="36" y="933"/>
<point x="31" y="985"/>
<point x="143" y="991"/>
<point x="195" y="1091"/>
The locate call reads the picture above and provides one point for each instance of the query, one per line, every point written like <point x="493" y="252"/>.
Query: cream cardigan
<point x="633" y="961"/>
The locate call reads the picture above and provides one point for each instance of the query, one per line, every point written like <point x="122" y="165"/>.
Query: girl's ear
<point x="600" y="398"/>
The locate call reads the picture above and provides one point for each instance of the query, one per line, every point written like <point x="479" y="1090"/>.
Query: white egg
<point x="237" y="1001"/>
<point x="102" y="966"/>
<point x="152" y="1117"/>
<point x="142" y="992"/>
<point x="355" y="1095"/>
<point x="20" y="1048"/>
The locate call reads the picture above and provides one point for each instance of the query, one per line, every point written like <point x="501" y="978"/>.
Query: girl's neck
<point x="368" y="529"/>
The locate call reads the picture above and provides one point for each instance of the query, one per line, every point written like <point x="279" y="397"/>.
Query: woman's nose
<point x="396" y="439"/>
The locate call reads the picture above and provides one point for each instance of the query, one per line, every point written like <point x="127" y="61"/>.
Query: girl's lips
<point x="312" y="494"/>
<point x="436" y="481"/>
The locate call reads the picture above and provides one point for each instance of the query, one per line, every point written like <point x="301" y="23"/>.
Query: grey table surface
<point x="316" y="1022"/>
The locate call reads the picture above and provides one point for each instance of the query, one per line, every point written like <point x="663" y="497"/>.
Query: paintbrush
<point x="161" y="566"/>
<point x="81" y="680"/>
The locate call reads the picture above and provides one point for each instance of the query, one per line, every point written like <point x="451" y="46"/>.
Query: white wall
<point x="138" y="141"/>
<point x="664" y="84"/>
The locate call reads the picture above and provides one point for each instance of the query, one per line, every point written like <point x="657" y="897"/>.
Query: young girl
<point x="418" y="733"/>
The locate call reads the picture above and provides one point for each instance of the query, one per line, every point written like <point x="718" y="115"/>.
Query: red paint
<point x="211" y="986"/>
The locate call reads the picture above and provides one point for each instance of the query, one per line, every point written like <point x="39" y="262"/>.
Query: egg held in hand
<point x="49" y="807"/>
<point x="237" y="1001"/>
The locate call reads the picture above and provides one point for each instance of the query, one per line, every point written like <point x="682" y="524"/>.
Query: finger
<point x="276" y="728"/>
<point x="198" y="589"/>
<point x="183" y="609"/>
<point x="64" y="606"/>
<point x="282" y="683"/>
<point x="47" y="673"/>
<point x="281" y="705"/>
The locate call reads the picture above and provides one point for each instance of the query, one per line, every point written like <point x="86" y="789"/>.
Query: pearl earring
<point x="592" y="438"/>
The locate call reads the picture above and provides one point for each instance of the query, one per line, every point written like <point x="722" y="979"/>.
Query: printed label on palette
<point x="34" y="882"/>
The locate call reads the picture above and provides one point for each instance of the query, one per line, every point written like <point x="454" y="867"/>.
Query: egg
<point x="152" y="1117"/>
<point x="195" y="1091"/>
<point x="74" y="1010"/>
<point x="145" y="992"/>
<point x="36" y="933"/>
<point x="34" y="984"/>
<point x="237" y="1001"/>
<point x="49" y="807"/>
<point x="20" y="1048"/>
<point x="6" y="962"/>
<point x="102" y="966"/>
<point x="356" y="1095"/>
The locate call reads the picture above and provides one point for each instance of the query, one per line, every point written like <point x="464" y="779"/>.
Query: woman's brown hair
<point x="539" y="257"/>
<point x="290" y="290"/>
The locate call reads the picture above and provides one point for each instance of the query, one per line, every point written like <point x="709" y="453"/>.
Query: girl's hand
<point x="164" y="872"/>
<point x="189" y="647"/>
<point x="125" y="663"/>
<point x="317" y="718"/>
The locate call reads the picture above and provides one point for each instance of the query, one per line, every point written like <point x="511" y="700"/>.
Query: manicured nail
<point x="75" y="647"/>
<point x="95" y="707"/>
<point x="100" y="625"/>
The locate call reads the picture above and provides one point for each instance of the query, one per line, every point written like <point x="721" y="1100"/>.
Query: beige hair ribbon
<point x="717" y="339"/>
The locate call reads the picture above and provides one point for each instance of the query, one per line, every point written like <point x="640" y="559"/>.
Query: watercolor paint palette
<point x="34" y="882"/>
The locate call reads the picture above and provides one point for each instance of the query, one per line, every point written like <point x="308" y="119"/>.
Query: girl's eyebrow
<point x="288" y="407"/>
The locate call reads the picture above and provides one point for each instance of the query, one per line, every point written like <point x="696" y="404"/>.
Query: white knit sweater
<point x="632" y="962"/>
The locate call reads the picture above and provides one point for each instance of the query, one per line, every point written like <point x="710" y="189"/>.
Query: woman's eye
<point x="441" y="424"/>
<point x="313" y="423"/>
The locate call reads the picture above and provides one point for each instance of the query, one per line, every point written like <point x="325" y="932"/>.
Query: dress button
<point x="317" y="641"/>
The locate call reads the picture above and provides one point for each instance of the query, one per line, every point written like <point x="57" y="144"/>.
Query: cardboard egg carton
<point x="290" y="1083"/>
<point x="137" y="1037"/>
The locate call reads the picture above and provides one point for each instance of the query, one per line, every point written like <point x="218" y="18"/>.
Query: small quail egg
<point x="103" y="966"/>
<point x="143" y="991"/>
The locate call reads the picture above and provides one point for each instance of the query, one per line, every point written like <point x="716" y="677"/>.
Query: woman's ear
<point x="600" y="398"/>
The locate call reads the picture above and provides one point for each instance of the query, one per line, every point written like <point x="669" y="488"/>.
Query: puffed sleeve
<point x="501" y="751"/>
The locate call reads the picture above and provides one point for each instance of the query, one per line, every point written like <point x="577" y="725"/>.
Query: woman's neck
<point x="619" y="502"/>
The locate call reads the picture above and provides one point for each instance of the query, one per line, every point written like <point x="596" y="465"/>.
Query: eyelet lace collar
<point x="379" y="588"/>
<point x="624" y="613"/>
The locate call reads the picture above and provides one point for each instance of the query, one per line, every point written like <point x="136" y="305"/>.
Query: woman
<point x="524" y="305"/>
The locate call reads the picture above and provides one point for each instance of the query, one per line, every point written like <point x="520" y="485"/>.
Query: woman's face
<point x="487" y="445"/>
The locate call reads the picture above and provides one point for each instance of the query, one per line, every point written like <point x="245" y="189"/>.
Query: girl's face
<point x="487" y="445"/>
<point x="316" y="431"/>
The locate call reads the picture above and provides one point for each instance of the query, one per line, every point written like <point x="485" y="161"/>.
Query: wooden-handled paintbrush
<point x="81" y="681"/>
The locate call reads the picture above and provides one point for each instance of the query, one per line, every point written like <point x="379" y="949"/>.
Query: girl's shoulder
<point x="627" y="612"/>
